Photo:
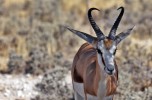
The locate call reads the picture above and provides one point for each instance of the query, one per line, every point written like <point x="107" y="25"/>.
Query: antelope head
<point x="106" y="46"/>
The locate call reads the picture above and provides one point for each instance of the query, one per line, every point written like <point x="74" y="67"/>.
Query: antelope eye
<point x="99" y="51"/>
<point x="115" y="52"/>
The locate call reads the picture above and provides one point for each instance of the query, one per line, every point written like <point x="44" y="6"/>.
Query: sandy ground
<point x="59" y="87"/>
<point x="21" y="87"/>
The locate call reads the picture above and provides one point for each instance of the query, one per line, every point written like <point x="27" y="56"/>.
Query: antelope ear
<point x="90" y="39"/>
<point x="122" y="35"/>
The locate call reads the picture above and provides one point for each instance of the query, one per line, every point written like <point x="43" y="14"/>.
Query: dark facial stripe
<point x="103" y="62"/>
<point x="99" y="51"/>
<point x="115" y="51"/>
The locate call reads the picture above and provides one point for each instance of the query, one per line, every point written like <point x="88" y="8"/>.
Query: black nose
<point x="110" y="69"/>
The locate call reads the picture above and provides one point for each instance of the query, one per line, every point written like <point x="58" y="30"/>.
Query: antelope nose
<point x="110" y="69"/>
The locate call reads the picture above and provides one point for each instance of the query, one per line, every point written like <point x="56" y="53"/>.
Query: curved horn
<point x="115" y="26"/>
<point x="97" y="30"/>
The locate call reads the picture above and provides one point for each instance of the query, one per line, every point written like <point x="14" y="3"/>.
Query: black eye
<point x="115" y="52"/>
<point x="99" y="51"/>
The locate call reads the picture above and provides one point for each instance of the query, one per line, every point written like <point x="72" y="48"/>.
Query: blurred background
<point x="36" y="52"/>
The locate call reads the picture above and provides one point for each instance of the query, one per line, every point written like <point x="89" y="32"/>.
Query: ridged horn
<point x="97" y="30"/>
<point x="115" y="26"/>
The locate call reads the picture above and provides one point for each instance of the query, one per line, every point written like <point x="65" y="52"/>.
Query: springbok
<point x="94" y="70"/>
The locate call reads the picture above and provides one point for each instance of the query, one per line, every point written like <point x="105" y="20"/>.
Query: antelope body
<point x="94" y="70"/>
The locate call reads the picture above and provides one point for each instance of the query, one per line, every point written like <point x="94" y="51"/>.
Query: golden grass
<point x="21" y="48"/>
<point x="7" y="3"/>
<point x="101" y="4"/>
<point x="3" y="64"/>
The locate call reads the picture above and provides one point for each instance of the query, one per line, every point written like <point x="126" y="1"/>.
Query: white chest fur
<point x="102" y="89"/>
<point x="79" y="92"/>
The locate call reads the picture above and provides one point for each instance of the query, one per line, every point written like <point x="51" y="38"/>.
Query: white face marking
<point x="112" y="49"/>
<point x="107" y="56"/>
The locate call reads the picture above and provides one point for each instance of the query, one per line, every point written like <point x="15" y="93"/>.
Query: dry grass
<point x="22" y="30"/>
<point x="8" y="3"/>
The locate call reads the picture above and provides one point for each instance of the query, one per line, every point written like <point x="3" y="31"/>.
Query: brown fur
<point x="86" y="70"/>
<point x="108" y="43"/>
